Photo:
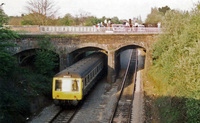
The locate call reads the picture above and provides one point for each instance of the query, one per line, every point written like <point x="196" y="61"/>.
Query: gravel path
<point x="99" y="104"/>
<point x="46" y="114"/>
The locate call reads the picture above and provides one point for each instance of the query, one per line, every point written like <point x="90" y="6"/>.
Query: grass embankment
<point x="172" y="90"/>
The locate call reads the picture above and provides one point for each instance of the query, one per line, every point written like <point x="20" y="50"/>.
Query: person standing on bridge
<point x="105" y="22"/>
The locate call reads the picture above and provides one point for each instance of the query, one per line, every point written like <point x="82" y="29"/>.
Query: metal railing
<point x="90" y="29"/>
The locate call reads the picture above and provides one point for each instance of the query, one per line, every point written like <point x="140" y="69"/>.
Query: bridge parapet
<point x="86" y="30"/>
<point x="96" y="30"/>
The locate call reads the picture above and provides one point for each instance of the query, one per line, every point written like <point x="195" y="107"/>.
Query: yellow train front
<point x="73" y="83"/>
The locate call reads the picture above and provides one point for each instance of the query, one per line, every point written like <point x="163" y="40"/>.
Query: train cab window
<point x="58" y="85"/>
<point x="75" y="85"/>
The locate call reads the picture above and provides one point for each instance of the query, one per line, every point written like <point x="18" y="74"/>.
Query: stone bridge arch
<point x="26" y="57"/>
<point x="81" y="52"/>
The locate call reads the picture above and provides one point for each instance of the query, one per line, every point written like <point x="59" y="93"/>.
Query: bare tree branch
<point x="42" y="10"/>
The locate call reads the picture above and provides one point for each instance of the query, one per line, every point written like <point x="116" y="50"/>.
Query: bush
<point x="176" y="59"/>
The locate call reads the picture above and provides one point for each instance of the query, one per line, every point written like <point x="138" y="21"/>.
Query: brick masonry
<point x="111" y="44"/>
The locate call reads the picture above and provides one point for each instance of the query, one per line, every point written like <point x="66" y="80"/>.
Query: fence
<point x="90" y="29"/>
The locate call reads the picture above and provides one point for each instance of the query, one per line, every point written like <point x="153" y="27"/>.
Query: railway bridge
<point x="71" y="47"/>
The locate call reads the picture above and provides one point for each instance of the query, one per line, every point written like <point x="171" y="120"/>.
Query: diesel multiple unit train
<point x="73" y="83"/>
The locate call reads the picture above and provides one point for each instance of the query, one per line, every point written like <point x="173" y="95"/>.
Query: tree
<point x="154" y="17"/>
<point x="176" y="61"/>
<point x="67" y="20"/>
<point x="46" y="59"/>
<point x="83" y="15"/>
<point x="115" y="20"/>
<point x="14" y="20"/>
<point x="3" y="17"/>
<point x="42" y="10"/>
<point x="90" y="21"/>
<point x="7" y="61"/>
<point x="164" y="9"/>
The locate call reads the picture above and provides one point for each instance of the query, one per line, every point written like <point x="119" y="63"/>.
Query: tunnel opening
<point x="81" y="53"/>
<point x="122" y="56"/>
<point x="27" y="58"/>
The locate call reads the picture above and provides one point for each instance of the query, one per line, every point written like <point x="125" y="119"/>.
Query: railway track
<point x="101" y="107"/>
<point x="65" y="115"/>
<point x="123" y="106"/>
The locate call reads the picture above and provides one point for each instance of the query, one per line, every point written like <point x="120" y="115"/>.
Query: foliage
<point x="115" y="20"/>
<point x="18" y="90"/>
<point x="14" y="20"/>
<point x="67" y="20"/>
<point x="46" y="60"/>
<point x="3" y="17"/>
<point x="7" y="62"/>
<point x="90" y="21"/>
<point x="32" y="19"/>
<point x="164" y="9"/>
<point x="19" y="85"/>
<point x="176" y="60"/>
<point x="154" y="17"/>
<point x="41" y="12"/>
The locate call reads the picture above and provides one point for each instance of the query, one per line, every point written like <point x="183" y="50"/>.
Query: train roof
<point x="82" y="67"/>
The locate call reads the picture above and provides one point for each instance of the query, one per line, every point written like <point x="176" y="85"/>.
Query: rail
<point x="135" y="79"/>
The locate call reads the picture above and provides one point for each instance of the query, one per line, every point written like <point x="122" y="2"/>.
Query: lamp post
<point x="2" y="4"/>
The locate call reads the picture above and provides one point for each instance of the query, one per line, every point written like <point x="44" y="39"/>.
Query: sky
<point x="123" y="9"/>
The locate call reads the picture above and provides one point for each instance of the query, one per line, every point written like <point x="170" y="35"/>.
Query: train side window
<point x="58" y="85"/>
<point x="90" y="75"/>
<point x="85" y="82"/>
<point x="88" y="80"/>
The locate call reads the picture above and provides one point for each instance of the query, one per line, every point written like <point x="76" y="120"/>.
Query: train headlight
<point x="75" y="85"/>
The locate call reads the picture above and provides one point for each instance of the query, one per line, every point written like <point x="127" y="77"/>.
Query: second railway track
<point x="123" y="107"/>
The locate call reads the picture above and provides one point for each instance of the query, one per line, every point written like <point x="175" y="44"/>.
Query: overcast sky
<point x="123" y="9"/>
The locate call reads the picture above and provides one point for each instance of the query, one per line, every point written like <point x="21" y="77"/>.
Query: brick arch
<point x="79" y="53"/>
<point x="26" y="57"/>
<point x="127" y="44"/>
<point x="88" y="45"/>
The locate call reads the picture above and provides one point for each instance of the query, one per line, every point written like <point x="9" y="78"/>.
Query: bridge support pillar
<point x="63" y="61"/>
<point x="111" y="75"/>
